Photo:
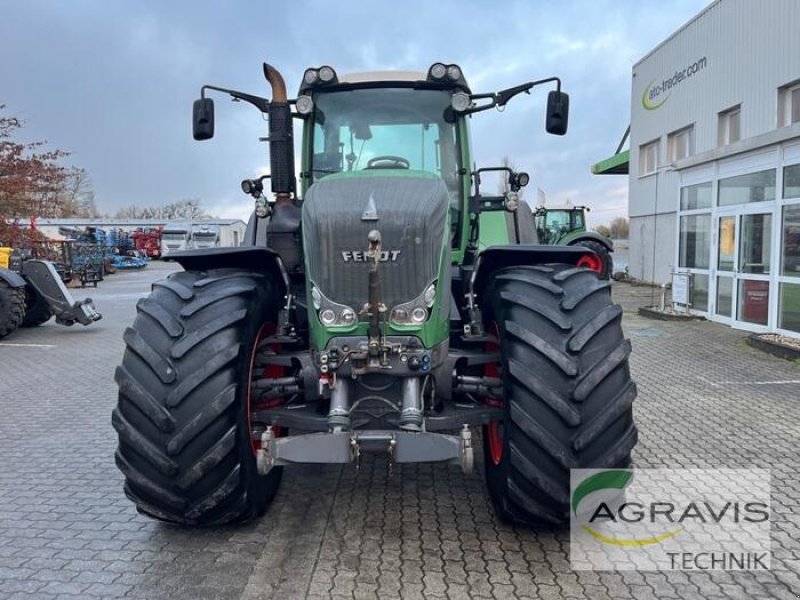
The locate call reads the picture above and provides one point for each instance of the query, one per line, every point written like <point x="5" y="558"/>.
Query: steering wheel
<point x="388" y="162"/>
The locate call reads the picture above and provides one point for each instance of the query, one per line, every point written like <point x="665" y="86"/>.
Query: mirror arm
<point x="261" y="104"/>
<point x="502" y="97"/>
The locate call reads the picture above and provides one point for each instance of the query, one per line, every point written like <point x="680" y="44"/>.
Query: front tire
<point x="182" y="415"/>
<point x="37" y="311"/>
<point x="568" y="392"/>
<point x="12" y="308"/>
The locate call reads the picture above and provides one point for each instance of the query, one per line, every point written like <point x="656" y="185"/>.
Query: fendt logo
<point x="361" y="256"/>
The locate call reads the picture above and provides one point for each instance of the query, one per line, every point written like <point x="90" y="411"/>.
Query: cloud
<point x="114" y="81"/>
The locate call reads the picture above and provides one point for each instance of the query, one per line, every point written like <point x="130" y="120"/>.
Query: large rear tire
<point x="602" y="252"/>
<point x="182" y="415"/>
<point x="12" y="307"/>
<point x="568" y="392"/>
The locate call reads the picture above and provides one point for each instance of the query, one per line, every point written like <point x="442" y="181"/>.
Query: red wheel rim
<point x="494" y="430"/>
<point x="266" y="330"/>
<point x="495" y="439"/>
<point x="591" y="261"/>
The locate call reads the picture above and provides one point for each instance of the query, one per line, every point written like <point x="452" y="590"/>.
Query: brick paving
<point x="706" y="400"/>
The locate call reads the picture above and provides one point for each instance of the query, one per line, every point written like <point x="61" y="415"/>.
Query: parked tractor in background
<point x="567" y="226"/>
<point x="388" y="306"/>
<point x="31" y="292"/>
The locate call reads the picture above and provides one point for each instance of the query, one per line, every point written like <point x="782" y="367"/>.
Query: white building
<point x="714" y="166"/>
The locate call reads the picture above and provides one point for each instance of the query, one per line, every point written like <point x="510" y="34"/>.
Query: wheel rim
<point x="271" y="371"/>
<point x="495" y="437"/>
<point x="591" y="261"/>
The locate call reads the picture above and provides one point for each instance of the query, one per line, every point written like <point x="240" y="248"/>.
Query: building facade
<point x="229" y="232"/>
<point x="714" y="166"/>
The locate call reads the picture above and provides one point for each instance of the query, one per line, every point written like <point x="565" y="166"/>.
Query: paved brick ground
<point x="66" y="530"/>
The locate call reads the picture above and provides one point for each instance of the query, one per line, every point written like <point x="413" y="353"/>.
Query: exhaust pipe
<point x="281" y="144"/>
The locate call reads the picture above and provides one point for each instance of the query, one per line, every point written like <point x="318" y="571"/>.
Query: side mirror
<point x="203" y="119"/>
<point x="557" y="113"/>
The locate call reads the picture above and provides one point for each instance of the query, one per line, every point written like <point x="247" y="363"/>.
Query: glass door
<point x="744" y="265"/>
<point x="753" y="269"/>
<point x="726" y="264"/>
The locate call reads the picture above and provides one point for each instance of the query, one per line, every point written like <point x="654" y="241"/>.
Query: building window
<point x="648" y="158"/>
<point x="696" y="196"/>
<point x="695" y="241"/>
<point x="789" y="315"/>
<point x="791" y="241"/>
<point x="728" y="130"/>
<point x="791" y="182"/>
<point x="753" y="187"/>
<point x="789" y="104"/>
<point x="680" y="144"/>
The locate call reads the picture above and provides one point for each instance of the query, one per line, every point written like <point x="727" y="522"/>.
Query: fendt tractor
<point x="388" y="307"/>
<point x="567" y="226"/>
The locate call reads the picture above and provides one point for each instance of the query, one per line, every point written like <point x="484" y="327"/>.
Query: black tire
<point x="12" y="307"/>
<point x="568" y="391"/>
<point x="605" y="257"/>
<point x="184" y="441"/>
<point x="37" y="311"/>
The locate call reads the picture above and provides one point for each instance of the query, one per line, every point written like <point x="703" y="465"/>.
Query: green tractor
<point x="567" y="226"/>
<point x="387" y="306"/>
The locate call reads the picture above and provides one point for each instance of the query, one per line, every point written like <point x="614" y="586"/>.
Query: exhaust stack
<point x="281" y="144"/>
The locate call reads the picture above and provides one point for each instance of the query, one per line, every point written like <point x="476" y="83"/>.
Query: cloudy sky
<point x="113" y="82"/>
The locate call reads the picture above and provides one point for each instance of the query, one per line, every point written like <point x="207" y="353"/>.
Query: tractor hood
<point x="408" y="208"/>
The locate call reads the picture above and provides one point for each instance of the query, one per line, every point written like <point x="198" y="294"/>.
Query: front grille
<point x="412" y="218"/>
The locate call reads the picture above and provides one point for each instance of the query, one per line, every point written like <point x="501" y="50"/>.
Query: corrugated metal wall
<point x="751" y="48"/>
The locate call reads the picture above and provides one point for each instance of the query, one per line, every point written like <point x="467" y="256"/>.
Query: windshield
<point x="394" y="128"/>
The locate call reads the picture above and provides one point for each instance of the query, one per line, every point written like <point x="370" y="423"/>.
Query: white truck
<point x="205" y="236"/>
<point x="175" y="238"/>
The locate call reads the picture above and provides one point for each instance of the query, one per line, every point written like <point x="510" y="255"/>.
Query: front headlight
<point x="330" y="313"/>
<point x="417" y="311"/>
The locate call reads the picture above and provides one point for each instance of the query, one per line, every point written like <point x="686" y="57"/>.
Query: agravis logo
<point x="610" y="480"/>
<point x="650" y="519"/>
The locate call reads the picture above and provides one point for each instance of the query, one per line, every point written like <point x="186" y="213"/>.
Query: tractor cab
<point x="553" y="224"/>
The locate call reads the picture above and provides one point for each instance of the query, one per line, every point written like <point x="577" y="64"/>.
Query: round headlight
<point x="430" y="295"/>
<point x="310" y="76"/>
<point x="316" y="298"/>
<point x="326" y="74"/>
<point x="512" y="201"/>
<point x="460" y="101"/>
<point x="454" y="72"/>
<point x="419" y="314"/>
<point x="400" y="315"/>
<point x="304" y="105"/>
<point x="327" y="316"/>
<point x="348" y="316"/>
<point x="523" y="179"/>
<point x="438" y="71"/>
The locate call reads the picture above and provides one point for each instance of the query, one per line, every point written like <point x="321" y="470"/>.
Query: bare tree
<point x="619" y="228"/>
<point x="77" y="195"/>
<point x="184" y="209"/>
<point x="603" y="230"/>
